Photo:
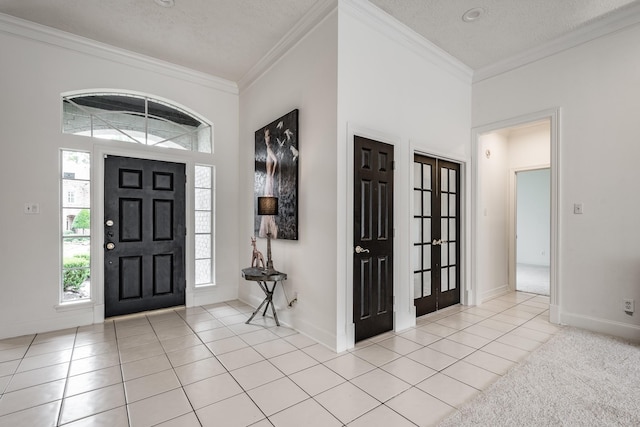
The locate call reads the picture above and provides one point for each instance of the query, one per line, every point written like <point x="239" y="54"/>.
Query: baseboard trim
<point x="603" y="326"/>
<point x="286" y="318"/>
<point x="61" y="321"/>
<point x="493" y="293"/>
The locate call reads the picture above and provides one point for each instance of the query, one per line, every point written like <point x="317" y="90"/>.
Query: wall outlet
<point x="629" y="305"/>
<point x="294" y="299"/>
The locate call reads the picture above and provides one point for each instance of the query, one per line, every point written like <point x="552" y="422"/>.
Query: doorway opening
<point x="505" y="153"/>
<point x="533" y="230"/>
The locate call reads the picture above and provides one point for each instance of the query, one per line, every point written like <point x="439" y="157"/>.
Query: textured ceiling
<point x="226" y="38"/>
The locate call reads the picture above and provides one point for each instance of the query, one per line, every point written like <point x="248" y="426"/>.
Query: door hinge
<point x="393" y="165"/>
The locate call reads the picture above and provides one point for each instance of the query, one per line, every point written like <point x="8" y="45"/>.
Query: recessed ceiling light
<point x="473" y="14"/>
<point x="165" y="3"/>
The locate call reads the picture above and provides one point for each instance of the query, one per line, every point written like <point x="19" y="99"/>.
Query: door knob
<point x="111" y="246"/>
<point x="361" y="250"/>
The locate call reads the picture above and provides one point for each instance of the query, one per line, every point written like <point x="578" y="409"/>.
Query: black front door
<point x="373" y="238"/>
<point x="144" y="235"/>
<point x="436" y="225"/>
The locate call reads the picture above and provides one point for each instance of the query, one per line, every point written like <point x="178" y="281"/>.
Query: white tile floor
<point x="204" y="366"/>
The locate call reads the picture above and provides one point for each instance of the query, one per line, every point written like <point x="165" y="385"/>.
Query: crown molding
<point x="316" y="15"/>
<point x="610" y="24"/>
<point x="380" y="21"/>
<point x="41" y="33"/>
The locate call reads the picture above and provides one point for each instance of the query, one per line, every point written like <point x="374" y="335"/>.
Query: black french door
<point x="436" y="231"/>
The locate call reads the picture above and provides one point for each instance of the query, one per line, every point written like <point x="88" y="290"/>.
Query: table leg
<point x="268" y="300"/>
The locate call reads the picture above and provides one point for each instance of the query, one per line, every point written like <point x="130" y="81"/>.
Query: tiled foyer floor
<point x="204" y="366"/>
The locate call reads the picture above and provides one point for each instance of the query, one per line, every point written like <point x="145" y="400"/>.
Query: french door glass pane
<point x="417" y="285"/>
<point x="452" y="253"/>
<point x="417" y="202"/>
<point x="426" y="257"/>
<point x="416" y="227"/>
<point x="452" y="204"/>
<point x="444" y="205"/>
<point x="417" y="175"/>
<point x="444" y="258"/>
<point x="444" y="229"/>
<point x="452" y="278"/>
<point x="426" y="177"/>
<point x="452" y="229"/>
<point x="426" y="203"/>
<point x="444" y="179"/>
<point x="452" y="181"/>
<point x="417" y="258"/>
<point x="426" y="284"/>
<point x="426" y="235"/>
<point x="444" y="279"/>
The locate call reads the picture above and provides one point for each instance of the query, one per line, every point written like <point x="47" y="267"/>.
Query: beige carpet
<point x="578" y="378"/>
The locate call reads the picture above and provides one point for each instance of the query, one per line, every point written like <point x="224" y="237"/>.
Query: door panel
<point x="436" y="223"/>
<point x="144" y="235"/>
<point x="373" y="231"/>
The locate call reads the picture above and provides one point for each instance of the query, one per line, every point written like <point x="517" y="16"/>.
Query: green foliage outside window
<point x="82" y="221"/>
<point x="75" y="272"/>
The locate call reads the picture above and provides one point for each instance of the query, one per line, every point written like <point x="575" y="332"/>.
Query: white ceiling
<point x="227" y="38"/>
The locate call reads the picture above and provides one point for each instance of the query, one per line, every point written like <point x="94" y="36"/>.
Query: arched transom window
<point x="137" y="119"/>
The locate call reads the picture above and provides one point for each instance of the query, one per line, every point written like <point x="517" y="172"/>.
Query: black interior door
<point x="373" y="238"/>
<point x="144" y="234"/>
<point x="436" y="225"/>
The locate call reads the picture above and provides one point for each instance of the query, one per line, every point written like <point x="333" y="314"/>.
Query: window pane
<point x="203" y="199"/>
<point x="203" y="271"/>
<point x="136" y="119"/>
<point x="203" y="246"/>
<point x="203" y="177"/>
<point x="444" y="279"/>
<point x="203" y="221"/>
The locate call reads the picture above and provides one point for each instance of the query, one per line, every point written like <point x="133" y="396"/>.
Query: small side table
<point x="262" y="277"/>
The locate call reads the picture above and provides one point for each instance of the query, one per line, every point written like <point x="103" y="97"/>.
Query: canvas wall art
<point x="276" y="174"/>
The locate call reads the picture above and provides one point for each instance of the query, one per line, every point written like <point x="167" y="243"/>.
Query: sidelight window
<point x="203" y="221"/>
<point x="75" y="182"/>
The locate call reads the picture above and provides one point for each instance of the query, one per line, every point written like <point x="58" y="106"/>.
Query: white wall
<point x="394" y="91"/>
<point x="33" y="76"/>
<point x="594" y="84"/>
<point x="492" y="232"/>
<point x="304" y="78"/>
